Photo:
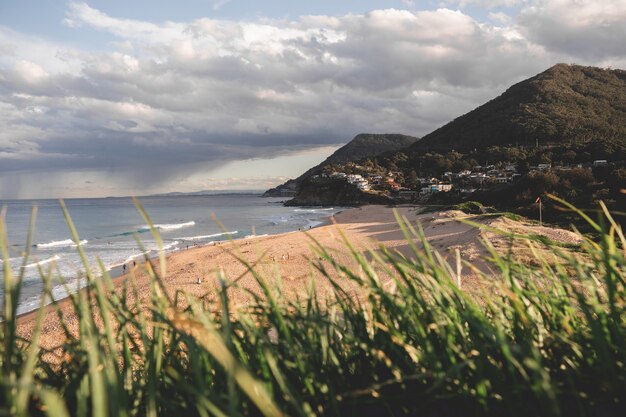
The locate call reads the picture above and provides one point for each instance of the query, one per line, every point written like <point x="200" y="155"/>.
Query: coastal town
<point x="411" y="187"/>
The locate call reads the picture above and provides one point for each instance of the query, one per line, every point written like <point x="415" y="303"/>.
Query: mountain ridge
<point x="564" y="103"/>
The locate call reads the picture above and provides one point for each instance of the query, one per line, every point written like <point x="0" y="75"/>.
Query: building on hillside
<point x="362" y="185"/>
<point x="408" y="193"/>
<point x="354" y="178"/>
<point x="478" y="179"/>
<point x="443" y="188"/>
<point x="467" y="190"/>
<point x="436" y="188"/>
<point x="376" y="179"/>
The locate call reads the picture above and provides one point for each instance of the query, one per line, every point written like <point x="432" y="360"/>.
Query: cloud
<point x="500" y="17"/>
<point x="592" y="30"/>
<point x="173" y="99"/>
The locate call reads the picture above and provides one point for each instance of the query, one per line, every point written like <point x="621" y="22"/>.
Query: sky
<point x="112" y="98"/>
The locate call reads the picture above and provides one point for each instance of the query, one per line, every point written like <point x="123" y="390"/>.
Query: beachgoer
<point x="124" y="268"/>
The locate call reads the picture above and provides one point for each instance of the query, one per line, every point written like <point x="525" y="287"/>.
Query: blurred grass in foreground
<point x="550" y="339"/>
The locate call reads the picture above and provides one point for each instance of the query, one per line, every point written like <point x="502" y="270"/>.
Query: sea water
<point x="108" y="229"/>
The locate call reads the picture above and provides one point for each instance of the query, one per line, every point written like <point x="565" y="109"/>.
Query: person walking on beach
<point x="124" y="268"/>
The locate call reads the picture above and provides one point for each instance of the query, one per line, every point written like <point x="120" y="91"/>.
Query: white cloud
<point x="590" y="29"/>
<point x="500" y="17"/>
<point x="81" y="14"/>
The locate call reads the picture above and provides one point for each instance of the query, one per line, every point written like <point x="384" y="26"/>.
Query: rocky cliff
<point x="334" y="192"/>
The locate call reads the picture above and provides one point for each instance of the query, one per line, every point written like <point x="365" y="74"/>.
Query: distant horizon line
<point x="168" y="194"/>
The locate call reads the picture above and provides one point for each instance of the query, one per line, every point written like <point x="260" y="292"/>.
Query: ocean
<point x="108" y="227"/>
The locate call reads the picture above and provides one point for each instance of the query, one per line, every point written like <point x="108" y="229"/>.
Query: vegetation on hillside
<point x="565" y="104"/>
<point x="547" y="338"/>
<point x="571" y="175"/>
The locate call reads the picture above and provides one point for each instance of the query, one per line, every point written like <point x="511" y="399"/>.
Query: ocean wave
<point x="58" y="292"/>
<point x="132" y="232"/>
<point x="150" y="251"/>
<point x="255" y="236"/>
<point x="11" y="260"/>
<point x="59" y="244"/>
<point x="313" y="210"/>
<point x="131" y="258"/>
<point x="208" y="236"/>
<point x="173" y="226"/>
<point x="170" y="246"/>
<point x="45" y="261"/>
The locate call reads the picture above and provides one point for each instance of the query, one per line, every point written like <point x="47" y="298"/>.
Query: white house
<point x="354" y="178"/>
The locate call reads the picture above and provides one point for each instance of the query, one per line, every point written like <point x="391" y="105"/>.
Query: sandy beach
<point x="285" y="259"/>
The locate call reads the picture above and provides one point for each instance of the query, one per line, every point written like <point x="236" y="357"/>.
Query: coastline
<point x="116" y="273"/>
<point x="285" y="259"/>
<point x="289" y="252"/>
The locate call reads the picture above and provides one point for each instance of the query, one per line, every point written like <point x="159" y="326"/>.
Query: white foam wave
<point x="131" y="258"/>
<point x="208" y="236"/>
<point x="255" y="236"/>
<point x="313" y="210"/>
<point x="171" y="245"/>
<point x="60" y="243"/>
<point x="11" y="260"/>
<point x="45" y="261"/>
<point x="173" y="226"/>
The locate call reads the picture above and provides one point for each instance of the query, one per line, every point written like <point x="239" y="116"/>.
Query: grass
<point x="549" y="340"/>
<point x="470" y="207"/>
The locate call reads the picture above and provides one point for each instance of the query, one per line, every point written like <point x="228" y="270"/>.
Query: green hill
<point x="565" y="104"/>
<point x="363" y="146"/>
<point x="366" y="145"/>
